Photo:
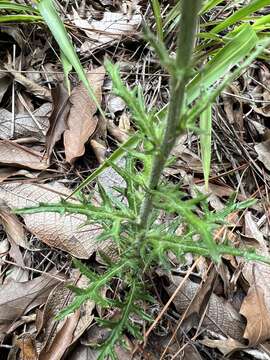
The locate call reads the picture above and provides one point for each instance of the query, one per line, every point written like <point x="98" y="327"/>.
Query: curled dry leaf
<point x="12" y="226"/>
<point x="8" y="172"/>
<point x="81" y="120"/>
<point x="17" y="298"/>
<point x="5" y="82"/>
<point x="263" y="151"/>
<point x="65" y="232"/>
<point x="256" y="305"/>
<point x="25" y="124"/>
<point x="57" y="336"/>
<point x="58" y="118"/>
<point x="220" y="318"/>
<point x="33" y="88"/>
<point x="113" y="27"/>
<point x="18" y="155"/>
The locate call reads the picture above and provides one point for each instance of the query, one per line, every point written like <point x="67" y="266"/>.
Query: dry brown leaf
<point x="26" y="344"/>
<point x="5" y="82"/>
<point x="15" y="154"/>
<point x="256" y="305"/>
<point x="52" y="331"/>
<point x="263" y="151"/>
<point x="58" y="118"/>
<point x="113" y="27"/>
<point x="226" y="346"/>
<point x="81" y="120"/>
<point x="220" y="318"/>
<point x="35" y="89"/>
<point x="25" y="125"/>
<point x="12" y="226"/>
<point x="8" y="172"/>
<point x="17" y="298"/>
<point x="65" y="232"/>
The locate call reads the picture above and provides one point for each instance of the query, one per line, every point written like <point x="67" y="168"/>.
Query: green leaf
<point x="210" y="4"/>
<point x="158" y="18"/>
<point x="205" y="142"/>
<point x="240" y="14"/>
<point x="55" y="24"/>
<point x="67" y="67"/>
<point x="20" y="18"/>
<point x="6" y="5"/>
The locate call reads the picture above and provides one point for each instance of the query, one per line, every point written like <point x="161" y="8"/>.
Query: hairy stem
<point x="185" y="43"/>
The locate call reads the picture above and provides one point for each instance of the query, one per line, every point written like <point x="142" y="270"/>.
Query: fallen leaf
<point x="263" y="151"/>
<point x="17" y="298"/>
<point x="6" y="173"/>
<point x="12" y="226"/>
<point x="25" y="125"/>
<point x="29" y="85"/>
<point x="52" y="331"/>
<point x="256" y="305"/>
<point x="65" y="232"/>
<point x="226" y="346"/>
<point x="15" y="154"/>
<point x="26" y="344"/>
<point x="113" y="26"/>
<point x="5" y="82"/>
<point x="220" y="318"/>
<point x="81" y="120"/>
<point x="58" y="118"/>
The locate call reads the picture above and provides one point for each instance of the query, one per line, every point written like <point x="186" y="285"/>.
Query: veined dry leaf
<point x="220" y="318"/>
<point x="25" y="125"/>
<point x="113" y="27"/>
<point x="65" y="232"/>
<point x="17" y="298"/>
<point x="5" y="82"/>
<point x="226" y="346"/>
<point x="256" y="305"/>
<point x="52" y="331"/>
<point x="263" y="151"/>
<point x="12" y="226"/>
<point x="15" y="154"/>
<point x="81" y="120"/>
<point x="35" y="89"/>
<point x="58" y="118"/>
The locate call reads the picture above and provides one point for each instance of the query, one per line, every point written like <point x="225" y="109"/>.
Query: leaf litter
<point x="70" y="131"/>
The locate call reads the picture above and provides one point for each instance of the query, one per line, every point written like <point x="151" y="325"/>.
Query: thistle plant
<point x="134" y="224"/>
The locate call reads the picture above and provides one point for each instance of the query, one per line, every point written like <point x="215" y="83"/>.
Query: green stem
<point x="185" y="43"/>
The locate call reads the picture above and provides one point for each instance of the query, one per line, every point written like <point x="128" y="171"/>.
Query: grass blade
<point x="205" y="142"/>
<point x="210" y="4"/>
<point x="240" y="14"/>
<point x="159" y="24"/>
<point x="19" y="18"/>
<point x="55" y="24"/>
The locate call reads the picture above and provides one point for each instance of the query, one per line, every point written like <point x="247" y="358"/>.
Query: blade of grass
<point x="67" y="67"/>
<point x="205" y="142"/>
<point x="55" y="24"/>
<point x="19" y="18"/>
<point x="210" y="4"/>
<point x="240" y="14"/>
<point x="158" y="18"/>
<point x="6" y="5"/>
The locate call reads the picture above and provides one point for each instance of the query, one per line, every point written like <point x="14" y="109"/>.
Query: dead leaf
<point x="65" y="232"/>
<point x="51" y="332"/>
<point x="263" y="151"/>
<point x="113" y="26"/>
<point x="17" y="298"/>
<point x="256" y="305"/>
<point x="25" y="124"/>
<point x="12" y="226"/>
<point x="81" y="120"/>
<point x="15" y="154"/>
<point x="29" y="85"/>
<point x="6" y="173"/>
<point x="58" y="118"/>
<point x="26" y="344"/>
<point x="227" y="346"/>
<point x="5" y="82"/>
<point x="220" y="318"/>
